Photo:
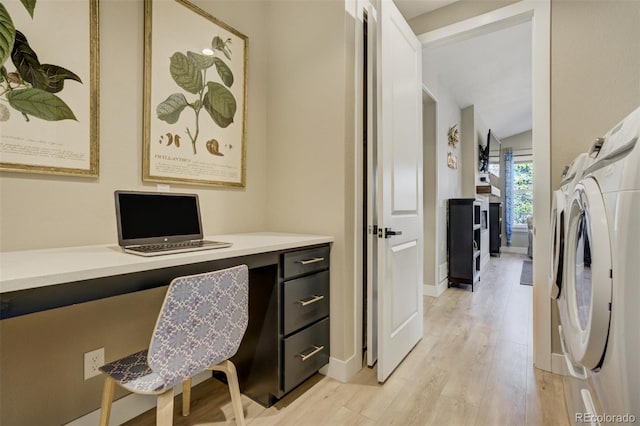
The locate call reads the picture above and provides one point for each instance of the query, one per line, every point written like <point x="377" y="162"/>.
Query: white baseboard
<point x="340" y="370"/>
<point x="443" y="271"/>
<point x="131" y="406"/>
<point x="513" y="249"/>
<point x="435" y="290"/>
<point x="558" y="365"/>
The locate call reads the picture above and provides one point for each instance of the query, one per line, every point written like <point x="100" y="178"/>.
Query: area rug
<point x="526" y="276"/>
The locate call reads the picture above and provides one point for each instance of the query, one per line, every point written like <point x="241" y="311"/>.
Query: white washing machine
<point x="578" y="380"/>
<point x="570" y="178"/>
<point x="599" y="301"/>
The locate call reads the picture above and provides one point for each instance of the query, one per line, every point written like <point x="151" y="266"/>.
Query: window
<point x="522" y="191"/>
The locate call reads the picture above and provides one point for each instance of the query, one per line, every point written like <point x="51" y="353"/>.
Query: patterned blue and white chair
<point x="200" y="326"/>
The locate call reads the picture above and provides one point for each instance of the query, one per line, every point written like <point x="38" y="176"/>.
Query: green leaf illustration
<point x="4" y="113"/>
<point x="27" y="63"/>
<point x="185" y="73"/>
<point x="30" y="5"/>
<point x="170" y="109"/>
<point x="202" y="61"/>
<point x="57" y="75"/>
<point x="7" y="34"/>
<point x="218" y="44"/>
<point x="224" y="72"/>
<point x="220" y="104"/>
<point x="40" y="104"/>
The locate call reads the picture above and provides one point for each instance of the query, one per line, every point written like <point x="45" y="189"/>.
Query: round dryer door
<point x="557" y="244"/>
<point x="587" y="282"/>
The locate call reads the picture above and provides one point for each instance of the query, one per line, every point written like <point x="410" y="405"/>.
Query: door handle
<point x="388" y="232"/>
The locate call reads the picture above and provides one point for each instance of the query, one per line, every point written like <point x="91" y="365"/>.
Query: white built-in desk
<point x="281" y="266"/>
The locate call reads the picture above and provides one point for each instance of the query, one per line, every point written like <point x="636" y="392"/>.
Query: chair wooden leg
<point x="107" y="399"/>
<point x="234" y="389"/>
<point x="186" y="397"/>
<point x="164" y="412"/>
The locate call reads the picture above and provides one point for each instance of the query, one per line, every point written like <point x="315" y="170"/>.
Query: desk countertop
<point x="22" y="270"/>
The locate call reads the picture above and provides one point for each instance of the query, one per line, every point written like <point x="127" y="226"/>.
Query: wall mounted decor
<point x="453" y="135"/>
<point x="195" y="96"/>
<point x="452" y="161"/>
<point x="49" y="87"/>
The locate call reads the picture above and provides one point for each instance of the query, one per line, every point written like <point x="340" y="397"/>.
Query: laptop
<point x="159" y="223"/>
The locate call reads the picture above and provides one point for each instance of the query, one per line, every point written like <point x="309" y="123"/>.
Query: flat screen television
<point x="489" y="155"/>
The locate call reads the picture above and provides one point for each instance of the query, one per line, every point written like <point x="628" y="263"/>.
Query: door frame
<point x="538" y="12"/>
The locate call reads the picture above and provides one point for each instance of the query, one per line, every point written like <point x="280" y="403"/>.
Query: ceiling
<point x="491" y="71"/>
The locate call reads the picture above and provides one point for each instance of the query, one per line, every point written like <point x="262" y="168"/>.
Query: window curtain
<point x="508" y="193"/>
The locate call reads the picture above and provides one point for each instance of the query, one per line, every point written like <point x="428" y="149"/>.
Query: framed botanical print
<point x="195" y="97"/>
<point x="49" y="87"/>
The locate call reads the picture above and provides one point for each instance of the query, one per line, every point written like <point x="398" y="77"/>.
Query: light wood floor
<point x="473" y="367"/>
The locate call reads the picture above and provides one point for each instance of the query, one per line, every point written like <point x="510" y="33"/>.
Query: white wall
<point x="449" y="180"/>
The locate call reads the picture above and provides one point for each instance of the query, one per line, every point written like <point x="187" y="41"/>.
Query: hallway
<point x="473" y="367"/>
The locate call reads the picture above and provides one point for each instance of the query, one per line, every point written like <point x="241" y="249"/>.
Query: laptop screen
<point x="153" y="217"/>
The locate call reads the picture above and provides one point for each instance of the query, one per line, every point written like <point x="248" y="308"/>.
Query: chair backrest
<point x="201" y="323"/>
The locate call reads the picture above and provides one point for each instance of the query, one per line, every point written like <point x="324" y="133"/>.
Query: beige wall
<point x="42" y="355"/>
<point x="595" y="73"/>
<point x="299" y="178"/>
<point x="595" y="79"/>
<point x="39" y="211"/>
<point x="310" y="133"/>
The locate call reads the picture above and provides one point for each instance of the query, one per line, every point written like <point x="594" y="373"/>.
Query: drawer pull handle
<point x="316" y="349"/>
<point x="310" y="261"/>
<point x="314" y="299"/>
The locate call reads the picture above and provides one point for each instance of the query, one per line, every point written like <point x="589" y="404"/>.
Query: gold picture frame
<point x="195" y="97"/>
<point x="49" y="87"/>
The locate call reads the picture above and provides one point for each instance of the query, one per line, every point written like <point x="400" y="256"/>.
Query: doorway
<point x="538" y="13"/>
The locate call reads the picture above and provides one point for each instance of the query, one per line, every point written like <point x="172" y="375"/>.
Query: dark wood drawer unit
<point x="288" y="320"/>
<point x="303" y="262"/>
<point x="304" y="314"/>
<point x="306" y="300"/>
<point x="305" y="353"/>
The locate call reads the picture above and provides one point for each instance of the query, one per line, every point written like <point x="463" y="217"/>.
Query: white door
<point x="372" y="189"/>
<point x="399" y="172"/>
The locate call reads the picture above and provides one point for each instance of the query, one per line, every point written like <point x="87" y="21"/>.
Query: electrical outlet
<point x="93" y="360"/>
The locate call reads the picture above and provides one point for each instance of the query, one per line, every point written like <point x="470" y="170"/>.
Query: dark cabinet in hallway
<point x="495" y="228"/>
<point x="463" y="241"/>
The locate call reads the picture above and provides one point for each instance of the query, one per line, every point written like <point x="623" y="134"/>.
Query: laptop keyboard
<point x="158" y="248"/>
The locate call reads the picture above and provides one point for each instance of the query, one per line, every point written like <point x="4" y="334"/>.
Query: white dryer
<point x="570" y="178"/>
<point x="599" y="301"/>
